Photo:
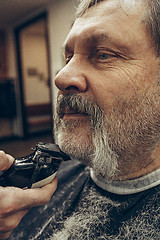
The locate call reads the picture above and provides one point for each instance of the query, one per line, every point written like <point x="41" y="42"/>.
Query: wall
<point x="3" y="59"/>
<point x="16" y="124"/>
<point x="60" y="18"/>
<point x="35" y="69"/>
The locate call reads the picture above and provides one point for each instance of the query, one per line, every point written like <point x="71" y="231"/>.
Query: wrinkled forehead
<point x="126" y="5"/>
<point x="120" y="16"/>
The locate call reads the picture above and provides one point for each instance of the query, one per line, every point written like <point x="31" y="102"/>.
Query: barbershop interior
<point x="32" y="34"/>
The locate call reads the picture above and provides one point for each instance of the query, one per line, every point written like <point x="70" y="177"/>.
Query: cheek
<point x="121" y="84"/>
<point x="112" y="88"/>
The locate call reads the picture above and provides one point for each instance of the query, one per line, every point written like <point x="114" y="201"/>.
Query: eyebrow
<point x="93" y="39"/>
<point x="98" y="38"/>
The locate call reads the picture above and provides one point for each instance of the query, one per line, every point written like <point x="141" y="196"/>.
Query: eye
<point x="103" y="56"/>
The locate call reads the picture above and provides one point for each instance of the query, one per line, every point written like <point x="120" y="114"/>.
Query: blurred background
<point x="32" y="33"/>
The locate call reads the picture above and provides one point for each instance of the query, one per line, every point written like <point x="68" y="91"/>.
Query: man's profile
<point x="107" y="118"/>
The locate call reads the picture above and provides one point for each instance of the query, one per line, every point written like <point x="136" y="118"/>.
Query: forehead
<point x="120" y="20"/>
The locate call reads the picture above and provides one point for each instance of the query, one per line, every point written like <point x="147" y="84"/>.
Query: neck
<point x="139" y="166"/>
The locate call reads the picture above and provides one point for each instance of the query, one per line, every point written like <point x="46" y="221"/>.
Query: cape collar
<point x="128" y="186"/>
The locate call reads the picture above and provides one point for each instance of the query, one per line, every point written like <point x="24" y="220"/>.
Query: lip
<point x="69" y="111"/>
<point x="74" y="116"/>
<point x="71" y="114"/>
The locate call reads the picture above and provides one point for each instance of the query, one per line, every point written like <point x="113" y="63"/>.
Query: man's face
<point x="112" y="69"/>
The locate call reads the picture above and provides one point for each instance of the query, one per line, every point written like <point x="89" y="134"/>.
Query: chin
<point x="77" y="144"/>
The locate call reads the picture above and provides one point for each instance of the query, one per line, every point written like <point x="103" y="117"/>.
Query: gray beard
<point x="101" y="158"/>
<point x="127" y="135"/>
<point x="97" y="155"/>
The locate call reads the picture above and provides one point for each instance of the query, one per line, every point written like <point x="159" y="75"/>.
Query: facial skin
<point x="110" y="62"/>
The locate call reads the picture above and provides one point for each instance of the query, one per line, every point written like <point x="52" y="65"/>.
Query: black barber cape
<point x="81" y="210"/>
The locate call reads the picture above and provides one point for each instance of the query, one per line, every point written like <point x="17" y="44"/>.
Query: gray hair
<point x="152" y="20"/>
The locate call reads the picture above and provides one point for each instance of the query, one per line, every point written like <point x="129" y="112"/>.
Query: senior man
<point x="108" y="118"/>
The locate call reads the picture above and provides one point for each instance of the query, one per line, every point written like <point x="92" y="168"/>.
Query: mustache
<point x="79" y="104"/>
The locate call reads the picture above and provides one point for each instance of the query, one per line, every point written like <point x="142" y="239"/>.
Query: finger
<point x="41" y="196"/>
<point x="5" y="235"/>
<point x="15" y="199"/>
<point x="6" y="161"/>
<point x="9" y="223"/>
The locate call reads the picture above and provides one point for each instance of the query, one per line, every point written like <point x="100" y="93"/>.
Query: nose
<point x="71" y="78"/>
